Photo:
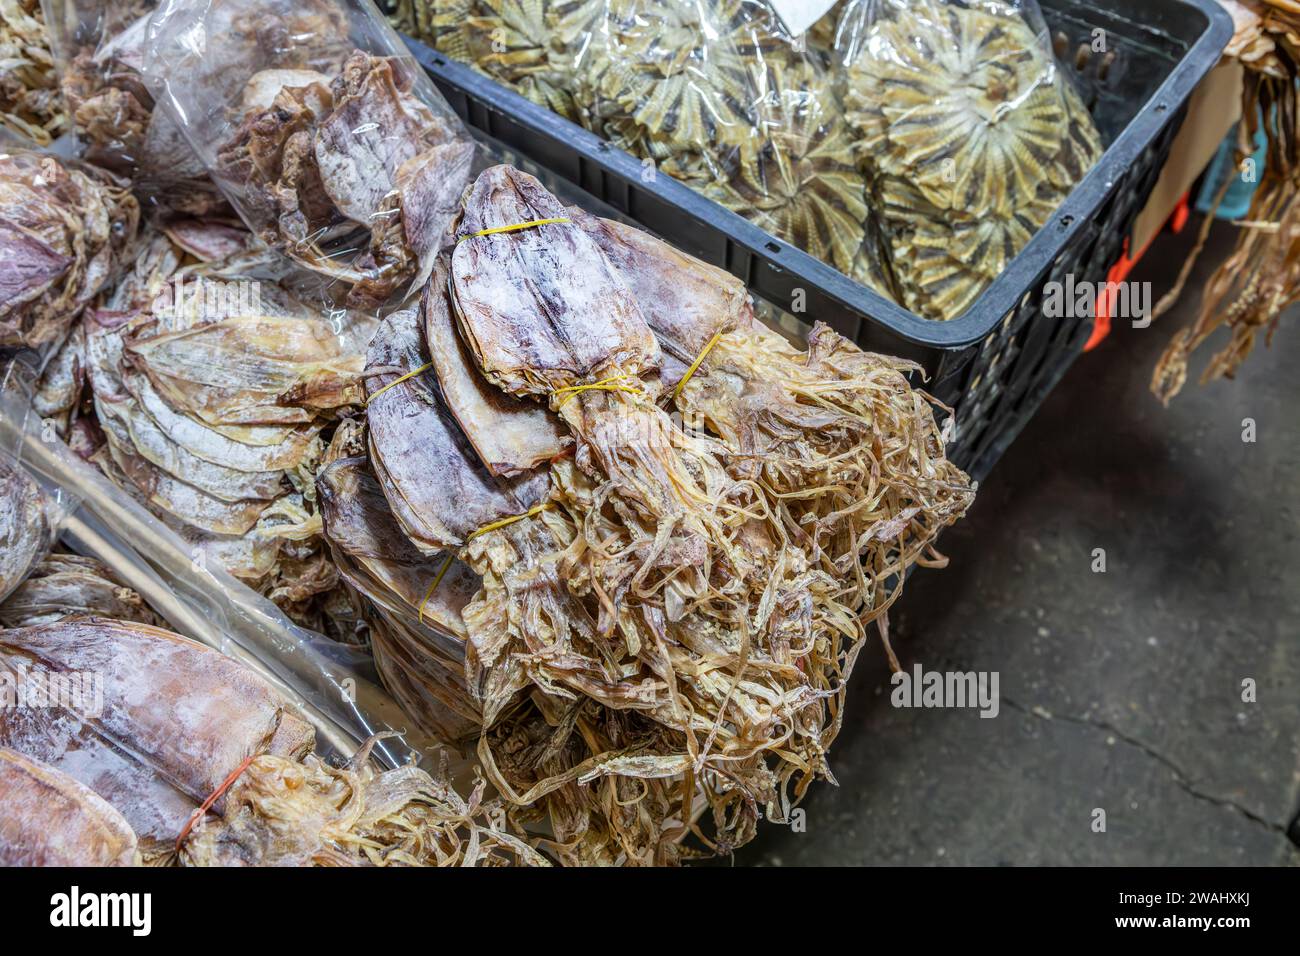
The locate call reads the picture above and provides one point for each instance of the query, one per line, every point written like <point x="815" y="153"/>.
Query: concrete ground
<point x="1120" y="691"/>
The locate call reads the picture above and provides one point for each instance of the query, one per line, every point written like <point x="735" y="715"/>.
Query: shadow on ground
<point x="1120" y="690"/>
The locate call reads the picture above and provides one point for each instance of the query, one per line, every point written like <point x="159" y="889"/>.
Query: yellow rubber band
<point x="536" y="510"/>
<point x="434" y="586"/>
<point x="696" y="364"/>
<point x="615" y="383"/>
<point x="398" y="381"/>
<point x="515" y="228"/>
<point x="511" y="520"/>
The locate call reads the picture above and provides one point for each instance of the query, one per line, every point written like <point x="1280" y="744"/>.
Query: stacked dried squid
<point x="207" y="394"/>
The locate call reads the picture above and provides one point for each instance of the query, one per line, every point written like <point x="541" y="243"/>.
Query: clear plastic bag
<point x="65" y="228"/>
<point x="321" y="130"/>
<point x="715" y="93"/>
<point x="797" y="176"/>
<point x="969" y="133"/>
<point x="332" y="684"/>
<point x="98" y="46"/>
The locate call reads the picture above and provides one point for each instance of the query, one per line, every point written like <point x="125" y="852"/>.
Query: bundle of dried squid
<point x="64" y="230"/>
<point x="847" y="447"/>
<point x="627" y="639"/>
<point x="30" y="101"/>
<point x="333" y="144"/>
<point x="163" y="728"/>
<point x="969" y="135"/>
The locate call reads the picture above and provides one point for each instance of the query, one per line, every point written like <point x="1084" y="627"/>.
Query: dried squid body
<point x="153" y="722"/>
<point x="25" y="532"/>
<point x="444" y="498"/>
<point x="969" y="134"/>
<point x="547" y="315"/>
<point x="417" y="634"/>
<point x="51" y="819"/>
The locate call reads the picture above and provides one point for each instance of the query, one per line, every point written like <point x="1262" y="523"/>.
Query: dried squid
<point x="703" y="611"/>
<point x="970" y="136"/>
<point x="319" y="158"/>
<point x="25" y="533"/>
<point x="101" y="46"/>
<point x="163" y="724"/>
<point x="30" y="101"/>
<point x="518" y="625"/>
<point x="212" y="403"/>
<point x="64" y="585"/>
<point x="52" y="820"/>
<point x="848" y="447"/>
<point x="418" y="643"/>
<point x="64" y="230"/>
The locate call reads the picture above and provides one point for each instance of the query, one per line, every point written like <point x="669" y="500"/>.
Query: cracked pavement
<point x="1120" y="691"/>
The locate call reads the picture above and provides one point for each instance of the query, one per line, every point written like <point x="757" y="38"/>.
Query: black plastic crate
<point x="997" y="362"/>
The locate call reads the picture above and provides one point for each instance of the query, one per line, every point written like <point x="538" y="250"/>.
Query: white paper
<point x="799" y="15"/>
